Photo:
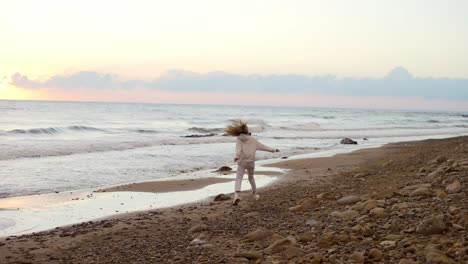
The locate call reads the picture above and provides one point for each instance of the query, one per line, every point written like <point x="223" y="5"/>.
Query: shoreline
<point x="298" y="219"/>
<point x="94" y="204"/>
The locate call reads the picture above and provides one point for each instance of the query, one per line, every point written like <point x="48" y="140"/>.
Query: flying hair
<point x="236" y="128"/>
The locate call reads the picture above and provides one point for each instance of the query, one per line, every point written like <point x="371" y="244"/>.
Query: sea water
<point x="50" y="147"/>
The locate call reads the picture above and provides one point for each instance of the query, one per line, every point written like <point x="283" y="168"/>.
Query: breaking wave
<point x="51" y="130"/>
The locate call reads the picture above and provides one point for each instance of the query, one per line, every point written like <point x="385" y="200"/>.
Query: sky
<point x="364" y="53"/>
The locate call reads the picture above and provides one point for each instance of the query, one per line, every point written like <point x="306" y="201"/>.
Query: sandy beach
<point x="400" y="203"/>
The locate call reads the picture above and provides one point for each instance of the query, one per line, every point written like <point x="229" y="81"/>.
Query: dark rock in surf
<point x="199" y="135"/>
<point x="223" y="169"/>
<point x="221" y="197"/>
<point x="347" y="141"/>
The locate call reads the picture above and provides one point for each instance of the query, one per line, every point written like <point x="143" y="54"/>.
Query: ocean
<point x="48" y="147"/>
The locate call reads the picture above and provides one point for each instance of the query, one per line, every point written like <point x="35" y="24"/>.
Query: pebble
<point x="349" y="199"/>
<point x="453" y="187"/>
<point x="375" y="254"/>
<point x="432" y="225"/>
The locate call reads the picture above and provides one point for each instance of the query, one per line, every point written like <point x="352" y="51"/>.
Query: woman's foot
<point x="236" y="199"/>
<point x="256" y="197"/>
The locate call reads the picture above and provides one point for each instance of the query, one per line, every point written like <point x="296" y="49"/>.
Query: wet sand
<point x="401" y="203"/>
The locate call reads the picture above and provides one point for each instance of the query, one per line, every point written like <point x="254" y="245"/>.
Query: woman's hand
<point x="277" y="150"/>
<point x="236" y="159"/>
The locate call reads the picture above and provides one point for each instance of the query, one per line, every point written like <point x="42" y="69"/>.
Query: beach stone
<point x="366" y="205"/>
<point x="357" y="257"/>
<point x="312" y="222"/>
<point x="389" y="193"/>
<point x="279" y="245"/>
<point x="441" y="194"/>
<point x="378" y="211"/>
<point x="349" y="199"/>
<point x="407" y="261"/>
<point x="420" y="192"/>
<point x="375" y="254"/>
<point x="435" y="256"/>
<point x="249" y="254"/>
<point x="453" y="187"/>
<point x="223" y="169"/>
<point x="238" y="261"/>
<point x="306" y="237"/>
<point x="400" y="206"/>
<point x="221" y="197"/>
<point x="440" y="159"/>
<point x="347" y="215"/>
<point x="435" y="174"/>
<point x="417" y="186"/>
<point x="292" y="252"/>
<point x="326" y="196"/>
<point x="251" y="215"/>
<point x="198" y="228"/>
<point x="257" y="234"/>
<point x="326" y="242"/>
<point x="348" y="141"/>
<point x="432" y="225"/>
<point x="388" y="243"/>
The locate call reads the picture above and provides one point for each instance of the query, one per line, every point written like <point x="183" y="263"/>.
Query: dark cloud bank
<point x="398" y="82"/>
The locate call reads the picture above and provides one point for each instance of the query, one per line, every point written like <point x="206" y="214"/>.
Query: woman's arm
<point x="262" y="147"/>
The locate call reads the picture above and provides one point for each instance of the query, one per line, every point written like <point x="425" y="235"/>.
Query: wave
<point x="205" y="130"/>
<point x="310" y="126"/>
<point x="35" y="149"/>
<point x="146" y="131"/>
<point x="51" y="130"/>
<point x="433" y="121"/>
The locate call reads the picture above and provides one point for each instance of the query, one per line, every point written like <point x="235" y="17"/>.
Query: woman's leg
<point x="240" y="174"/>
<point x="251" y="170"/>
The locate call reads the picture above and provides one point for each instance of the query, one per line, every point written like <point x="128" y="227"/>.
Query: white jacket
<point x="246" y="146"/>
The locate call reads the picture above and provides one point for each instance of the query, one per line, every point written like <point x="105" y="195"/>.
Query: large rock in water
<point x="347" y="141"/>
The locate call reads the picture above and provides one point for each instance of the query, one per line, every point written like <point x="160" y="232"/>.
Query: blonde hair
<point x="236" y="128"/>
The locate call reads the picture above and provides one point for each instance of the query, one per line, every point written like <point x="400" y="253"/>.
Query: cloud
<point x="397" y="83"/>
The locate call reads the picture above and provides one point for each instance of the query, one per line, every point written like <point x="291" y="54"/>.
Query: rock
<point x="306" y="237"/>
<point x="357" y="257"/>
<point x="223" y="169"/>
<point x="435" y="174"/>
<point x="375" y="254"/>
<point x="348" y="141"/>
<point x="441" y="194"/>
<point x="304" y="204"/>
<point x="366" y="206"/>
<point x="258" y="234"/>
<point x="251" y="215"/>
<point x="420" y="192"/>
<point x="221" y="197"/>
<point x="279" y="245"/>
<point x="326" y="196"/>
<point x="435" y="256"/>
<point x="417" y="186"/>
<point x="349" y="199"/>
<point x="249" y="254"/>
<point x="326" y="242"/>
<point x="292" y="252"/>
<point x="407" y="261"/>
<point x="312" y="222"/>
<point x="431" y="225"/>
<point x="440" y="159"/>
<point x="388" y="243"/>
<point x="199" y="135"/>
<point x="453" y="187"/>
<point x="389" y="193"/>
<point x="347" y="215"/>
<point x="238" y="261"/>
<point x="198" y="228"/>
<point x="378" y="211"/>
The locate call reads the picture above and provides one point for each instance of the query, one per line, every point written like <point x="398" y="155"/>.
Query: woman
<point x="246" y="147"/>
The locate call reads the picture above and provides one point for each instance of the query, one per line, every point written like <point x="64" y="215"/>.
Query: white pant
<point x="241" y="167"/>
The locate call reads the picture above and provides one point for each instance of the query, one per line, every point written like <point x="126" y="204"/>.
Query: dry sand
<point x="401" y="203"/>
